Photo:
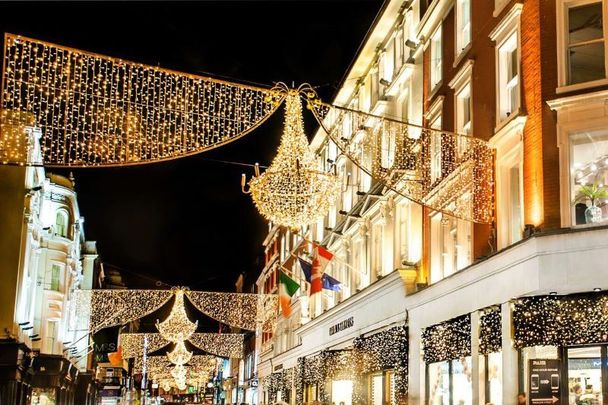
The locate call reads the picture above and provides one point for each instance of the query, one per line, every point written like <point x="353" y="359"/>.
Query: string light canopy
<point x="447" y="172"/>
<point x="95" y="110"/>
<point x="293" y="192"/>
<point x="229" y="345"/>
<point x="240" y="310"/>
<point x="179" y="355"/>
<point x="177" y="327"/>
<point x="105" y="308"/>
<point x="448" y="340"/>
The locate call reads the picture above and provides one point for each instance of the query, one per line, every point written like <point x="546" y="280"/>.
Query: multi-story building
<point x="488" y="310"/>
<point x="44" y="258"/>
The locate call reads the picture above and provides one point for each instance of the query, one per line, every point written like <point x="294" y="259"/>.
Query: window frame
<point x="436" y="69"/>
<point x="63" y="213"/>
<point x="563" y="45"/>
<point x="434" y="114"/>
<point x="461" y="47"/>
<point x="462" y="83"/>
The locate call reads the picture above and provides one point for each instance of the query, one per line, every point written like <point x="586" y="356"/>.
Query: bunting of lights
<point x="229" y="345"/>
<point x="448" y="340"/>
<point x="96" y="110"/>
<point x="240" y="310"/>
<point x="444" y="171"/>
<point x="567" y="320"/>
<point x="177" y="327"/>
<point x="490" y="331"/>
<point x="133" y="343"/>
<point x="105" y="308"/>
<point x="293" y="192"/>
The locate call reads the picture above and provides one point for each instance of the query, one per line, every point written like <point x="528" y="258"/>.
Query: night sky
<point x="186" y="222"/>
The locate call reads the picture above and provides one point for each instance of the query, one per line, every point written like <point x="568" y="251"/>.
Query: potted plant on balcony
<point x="592" y="193"/>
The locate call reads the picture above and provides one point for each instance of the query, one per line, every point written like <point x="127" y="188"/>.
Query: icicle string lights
<point x="490" y="331"/>
<point x="561" y="320"/>
<point x="446" y="172"/>
<point x="293" y="191"/>
<point x="95" y="110"/>
<point x="448" y="340"/>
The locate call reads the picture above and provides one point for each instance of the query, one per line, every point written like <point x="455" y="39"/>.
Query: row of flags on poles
<point x="314" y="273"/>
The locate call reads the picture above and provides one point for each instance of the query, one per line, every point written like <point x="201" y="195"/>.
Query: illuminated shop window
<point x="585" y="377"/>
<point x="494" y="381"/>
<point x="589" y="176"/>
<point x="439" y="383"/>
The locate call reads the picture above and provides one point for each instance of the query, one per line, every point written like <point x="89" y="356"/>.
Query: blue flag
<point x="306" y="269"/>
<point x="330" y="283"/>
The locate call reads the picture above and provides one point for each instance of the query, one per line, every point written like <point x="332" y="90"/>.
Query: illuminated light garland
<point x="397" y="154"/>
<point x="179" y="355"/>
<point x="95" y="110"/>
<point x="105" y="308"/>
<point x="568" y="320"/>
<point x="229" y="345"/>
<point x="160" y="363"/>
<point x="240" y="310"/>
<point x="133" y="343"/>
<point x="490" y="331"/>
<point x="448" y="340"/>
<point x="293" y="192"/>
<point x="177" y="327"/>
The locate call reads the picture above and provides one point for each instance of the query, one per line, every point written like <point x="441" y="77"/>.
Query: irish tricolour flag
<point x="287" y="288"/>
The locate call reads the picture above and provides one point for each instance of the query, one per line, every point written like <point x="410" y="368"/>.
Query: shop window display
<point x="589" y="177"/>
<point x="462" y="388"/>
<point x="439" y="383"/>
<point x="342" y="392"/>
<point x="494" y="381"/>
<point x="585" y="375"/>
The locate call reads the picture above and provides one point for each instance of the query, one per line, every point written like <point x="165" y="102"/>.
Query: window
<point x="403" y="232"/>
<point x="439" y="383"/>
<point x="51" y="335"/>
<point x="399" y="50"/>
<point x="585" y="376"/>
<point x="494" y="380"/>
<point x="508" y="77"/>
<point x="61" y="223"/>
<point x="376" y="385"/>
<point x="436" y="59"/>
<point x="585" y="48"/>
<point x="450" y="245"/>
<point x="589" y="176"/>
<point x="387" y="152"/>
<point x="55" y="277"/>
<point x="463" y="25"/>
<point x="377" y="231"/>
<point x="450" y="382"/>
<point x="463" y="118"/>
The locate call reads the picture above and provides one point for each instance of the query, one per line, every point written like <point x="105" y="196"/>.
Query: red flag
<point x="320" y="259"/>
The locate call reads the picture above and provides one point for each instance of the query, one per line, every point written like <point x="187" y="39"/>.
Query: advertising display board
<point x="544" y="381"/>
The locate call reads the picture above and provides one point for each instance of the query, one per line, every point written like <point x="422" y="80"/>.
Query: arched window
<point x="61" y="223"/>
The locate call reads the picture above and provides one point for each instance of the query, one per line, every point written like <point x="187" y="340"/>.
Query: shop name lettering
<point x="105" y="347"/>
<point x="339" y="327"/>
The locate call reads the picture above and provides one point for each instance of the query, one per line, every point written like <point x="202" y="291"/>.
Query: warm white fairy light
<point x="229" y="345"/>
<point x="398" y="155"/>
<point x="293" y="192"/>
<point x="179" y="355"/>
<point x="132" y="344"/>
<point x="96" y="110"/>
<point x="177" y="327"/>
<point x="104" y="308"/>
<point x="241" y="310"/>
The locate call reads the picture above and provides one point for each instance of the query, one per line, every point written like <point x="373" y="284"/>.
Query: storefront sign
<point x="278" y="367"/>
<point x="544" y="381"/>
<point x="340" y="326"/>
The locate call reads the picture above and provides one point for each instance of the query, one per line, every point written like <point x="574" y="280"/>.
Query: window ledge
<point x="581" y="86"/>
<point x="460" y="55"/>
<point x="504" y="122"/>
<point x="435" y="90"/>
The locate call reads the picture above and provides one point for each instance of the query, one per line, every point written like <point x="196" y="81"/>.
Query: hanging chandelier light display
<point x="177" y="327"/>
<point x="293" y="192"/>
<point x="180" y="355"/>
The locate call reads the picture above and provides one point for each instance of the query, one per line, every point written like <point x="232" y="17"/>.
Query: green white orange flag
<point x="287" y="288"/>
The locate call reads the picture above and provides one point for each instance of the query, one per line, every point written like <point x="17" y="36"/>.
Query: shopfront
<point x="447" y="356"/>
<point x="563" y="343"/>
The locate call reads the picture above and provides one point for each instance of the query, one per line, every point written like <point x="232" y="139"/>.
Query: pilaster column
<point x="476" y="380"/>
